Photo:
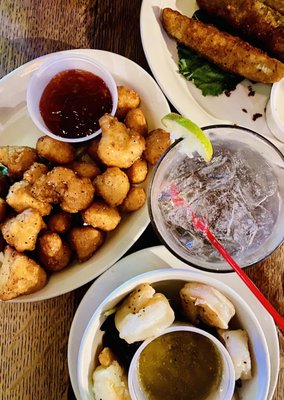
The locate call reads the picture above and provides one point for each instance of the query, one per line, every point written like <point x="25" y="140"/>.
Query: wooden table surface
<point x="34" y="337"/>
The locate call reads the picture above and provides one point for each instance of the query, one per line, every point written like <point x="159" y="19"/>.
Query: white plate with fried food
<point x="17" y="129"/>
<point x="243" y="106"/>
<point x="147" y="260"/>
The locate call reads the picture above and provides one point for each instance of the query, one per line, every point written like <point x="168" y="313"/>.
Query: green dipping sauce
<point x="180" y="365"/>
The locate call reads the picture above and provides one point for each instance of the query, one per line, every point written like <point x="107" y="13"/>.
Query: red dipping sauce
<point x="73" y="102"/>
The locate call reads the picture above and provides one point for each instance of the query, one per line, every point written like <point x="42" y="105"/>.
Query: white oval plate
<point x="16" y="128"/>
<point x="161" y="54"/>
<point x="147" y="260"/>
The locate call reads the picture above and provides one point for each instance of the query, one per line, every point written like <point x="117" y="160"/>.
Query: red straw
<point x="201" y="225"/>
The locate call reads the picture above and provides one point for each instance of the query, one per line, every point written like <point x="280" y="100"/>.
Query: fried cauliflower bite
<point x="54" y="150"/>
<point x="53" y="252"/>
<point x="134" y="200"/>
<point x="157" y="143"/>
<point x="50" y="187"/>
<point x="19" y="275"/>
<point x="3" y="209"/>
<point x="135" y="119"/>
<point x="102" y="216"/>
<point x="78" y="195"/>
<point x="127" y="99"/>
<point x="138" y="171"/>
<point x="20" y="198"/>
<point x="113" y="185"/>
<point x="21" y="232"/>
<point x="201" y="301"/>
<point x="60" y="222"/>
<point x="85" y="169"/>
<point x="17" y="159"/>
<point x="62" y="185"/>
<point x="236" y="342"/>
<point x="119" y="146"/>
<point x="34" y="172"/>
<point x="143" y="314"/>
<point x="92" y="150"/>
<point x="110" y="379"/>
<point x="85" y="240"/>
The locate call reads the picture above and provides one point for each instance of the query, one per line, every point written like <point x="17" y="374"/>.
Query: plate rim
<point x="161" y="251"/>
<point x="178" y="94"/>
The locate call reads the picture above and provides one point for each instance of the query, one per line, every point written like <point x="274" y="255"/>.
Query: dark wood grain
<point x="33" y="337"/>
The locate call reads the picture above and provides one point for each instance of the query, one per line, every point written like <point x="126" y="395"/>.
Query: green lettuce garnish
<point x="209" y="78"/>
<point x="3" y="170"/>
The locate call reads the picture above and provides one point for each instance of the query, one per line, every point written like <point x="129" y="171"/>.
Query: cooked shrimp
<point x="143" y="314"/>
<point x="201" y="301"/>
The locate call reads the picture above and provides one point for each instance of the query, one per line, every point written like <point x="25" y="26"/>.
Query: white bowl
<point x="274" y="110"/>
<point x="168" y="281"/>
<point x="58" y="63"/>
<point x="225" y="389"/>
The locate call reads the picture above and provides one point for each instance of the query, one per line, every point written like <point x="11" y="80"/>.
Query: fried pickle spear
<point x="256" y="20"/>
<point x="228" y="52"/>
<point x="276" y="5"/>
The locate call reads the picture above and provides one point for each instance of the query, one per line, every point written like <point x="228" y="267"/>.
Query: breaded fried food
<point x="134" y="200"/>
<point x="17" y="159"/>
<point x="54" y="253"/>
<point x="34" y="172"/>
<point x="135" y="119"/>
<point x="62" y="185"/>
<point x="51" y="187"/>
<point x="228" y="52"/>
<point x="113" y="185"/>
<point x="92" y="150"/>
<point x="254" y="19"/>
<point x="85" y="169"/>
<point x="157" y="143"/>
<point x="21" y="231"/>
<point x="78" y="195"/>
<point x="3" y="209"/>
<point x="119" y="146"/>
<point x="20" y="198"/>
<point x="127" y="99"/>
<point x="85" y="240"/>
<point x="138" y="171"/>
<point x="102" y="216"/>
<point x="20" y="275"/>
<point x="277" y="5"/>
<point x="54" y="150"/>
<point x="60" y="222"/>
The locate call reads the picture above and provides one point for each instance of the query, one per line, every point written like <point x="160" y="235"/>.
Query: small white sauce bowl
<point x="275" y="110"/>
<point x="47" y="71"/>
<point x="225" y="389"/>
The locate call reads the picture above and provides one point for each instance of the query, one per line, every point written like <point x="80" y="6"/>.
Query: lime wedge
<point x="195" y="138"/>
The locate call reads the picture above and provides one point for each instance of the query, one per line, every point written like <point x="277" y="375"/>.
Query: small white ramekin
<point x="55" y="64"/>
<point x="273" y="115"/>
<point x="225" y="389"/>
